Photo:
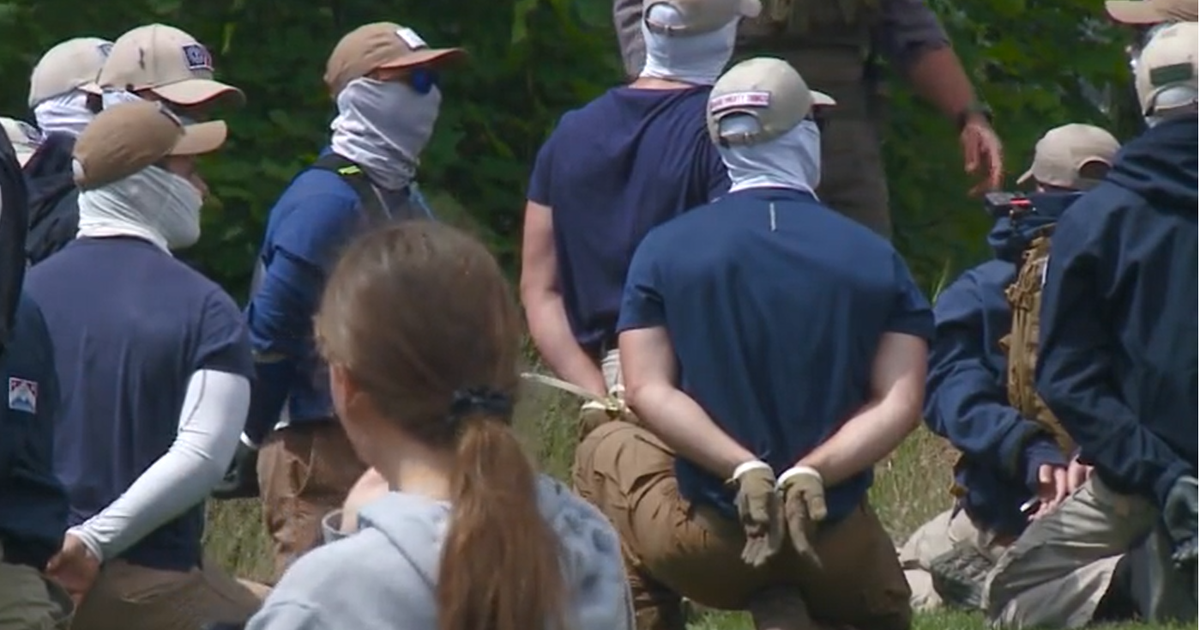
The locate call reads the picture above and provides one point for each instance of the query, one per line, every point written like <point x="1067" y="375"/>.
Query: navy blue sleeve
<point x="1078" y="345"/>
<point x="712" y="171"/>
<point x="966" y="396"/>
<point x="224" y="345"/>
<point x="907" y="28"/>
<point x="642" y="304"/>
<point x="539" y="180"/>
<point x="910" y="313"/>
<point x="30" y="356"/>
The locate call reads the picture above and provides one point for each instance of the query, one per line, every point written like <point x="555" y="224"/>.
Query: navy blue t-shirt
<point x="775" y="306"/>
<point x="130" y="326"/>
<point x="610" y="172"/>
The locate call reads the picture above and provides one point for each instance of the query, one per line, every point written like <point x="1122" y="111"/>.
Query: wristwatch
<point x="974" y="108"/>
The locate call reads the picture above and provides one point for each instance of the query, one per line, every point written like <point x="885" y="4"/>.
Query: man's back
<point x="775" y="305"/>
<point x="611" y="171"/>
<point x="130" y="325"/>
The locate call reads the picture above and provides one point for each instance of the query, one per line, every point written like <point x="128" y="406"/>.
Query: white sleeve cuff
<point x="797" y="471"/>
<point x="745" y="467"/>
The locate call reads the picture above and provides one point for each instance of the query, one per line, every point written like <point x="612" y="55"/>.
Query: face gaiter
<point x="383" y="126"/>
<point x="65" y="113"/>
<point x="153" y="204"/>
<point x="793" y="160"/>
<point x="696" y="59"/>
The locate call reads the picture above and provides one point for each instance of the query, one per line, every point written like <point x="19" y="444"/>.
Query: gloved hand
<point x="803" y="493"/>
<point x="1179" y="517"/>
<point x="241" y="480"/>
<point x="594" y="413"/>
<point x="759" y="511"/>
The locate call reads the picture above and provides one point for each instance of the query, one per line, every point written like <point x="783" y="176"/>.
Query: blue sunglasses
<point x="422" y="80"/>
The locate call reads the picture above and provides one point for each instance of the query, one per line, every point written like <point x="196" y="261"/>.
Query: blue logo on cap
<point x="197" y="57"/>
<point x="105" y="48"/>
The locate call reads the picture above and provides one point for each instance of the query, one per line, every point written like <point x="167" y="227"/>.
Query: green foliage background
<point x="533" y="59"/>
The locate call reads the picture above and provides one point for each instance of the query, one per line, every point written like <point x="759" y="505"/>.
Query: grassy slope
<point x="910" y="487"/>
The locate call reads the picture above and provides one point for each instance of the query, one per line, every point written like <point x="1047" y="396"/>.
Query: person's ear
<point x="347" y="395"/>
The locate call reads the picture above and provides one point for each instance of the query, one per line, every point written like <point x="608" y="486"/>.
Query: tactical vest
<point x="1020" y="346"/>
<point x="827" y="41"/>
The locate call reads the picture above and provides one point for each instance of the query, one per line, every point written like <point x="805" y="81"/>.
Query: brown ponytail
<point x="415" y="312"/>
<point x="500" y="568"/>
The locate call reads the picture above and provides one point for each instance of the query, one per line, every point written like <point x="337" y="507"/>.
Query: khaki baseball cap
<point x="128" y="137"/>
<point x="1063" y="151"/>
<point x="702" y="16"/>
<point x="380" y="46"/>
<point x="166" y="61"/>
<point x="1168" y="60"/>
<point x="768" y="89"/>
<point x="25" y="138"/>
<point x="67" y="66"/>
<point x="1151" y="11"/>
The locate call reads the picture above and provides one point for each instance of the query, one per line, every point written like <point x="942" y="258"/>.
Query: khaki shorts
<point x="131" y="597"/>
<point x="675" y="549"/>
<point x="28" y="601"/>
<point x="305" y="471"/>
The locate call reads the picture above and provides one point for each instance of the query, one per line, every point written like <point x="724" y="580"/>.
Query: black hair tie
<point x="479" y="400"/>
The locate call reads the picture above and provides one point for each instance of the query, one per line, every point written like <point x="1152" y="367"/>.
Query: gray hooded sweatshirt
<point x="384" y="576"/>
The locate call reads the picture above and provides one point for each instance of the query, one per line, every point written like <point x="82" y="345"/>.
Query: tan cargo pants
<point x="131" y="597"/>
<point x="673" y="549"/>
<point x="29" y="601"/>
<point x="305" y="471"/>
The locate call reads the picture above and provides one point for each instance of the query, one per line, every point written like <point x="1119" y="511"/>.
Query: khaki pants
<point x="934" y="539"/>
<point x="1060" y="568"/>
<point x="305" y="471"/>
<point x="130" y="597"/>
<point x="675" y="549"/>
<point x="29" y="601"/>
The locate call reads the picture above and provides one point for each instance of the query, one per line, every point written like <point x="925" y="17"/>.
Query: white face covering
<point x="696" y="59"/>
<point x="383" y="126"/>
<point x="65" y="113"/>
<point x="153" y="204"/>
<point x="792" y="160"/>
<point x="1175" y="102"/>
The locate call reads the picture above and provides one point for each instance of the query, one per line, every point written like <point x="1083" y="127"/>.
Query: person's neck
<point x="654" y="83"/>
<point x="413" y="468"/>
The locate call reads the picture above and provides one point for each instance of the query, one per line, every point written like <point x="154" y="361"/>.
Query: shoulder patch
<point x="22" y="394"/>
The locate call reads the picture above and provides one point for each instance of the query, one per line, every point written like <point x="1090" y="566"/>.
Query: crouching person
<point x="153" y="361"/>
<point x="773" y="367"/>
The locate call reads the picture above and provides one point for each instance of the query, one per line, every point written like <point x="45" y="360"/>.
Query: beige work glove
<point x="803" y="493"/>
<point x="759" y="511"/>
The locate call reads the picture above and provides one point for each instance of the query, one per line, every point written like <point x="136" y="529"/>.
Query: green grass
<point x="910" y="487"/>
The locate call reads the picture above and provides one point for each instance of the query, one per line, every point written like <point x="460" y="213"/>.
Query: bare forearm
<point x="937" y="75"/>
<point x="864" y="440"/>
<point x="685" y="427"/>
<point x="556" y="344"/>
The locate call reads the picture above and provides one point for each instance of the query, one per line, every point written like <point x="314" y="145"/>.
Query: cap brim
<point x="92" y="88"/>
<point x="1134" y="11"/>
<point x="197" y="91"/>
<point x="201" y="138"/>
<point x="821" y="99"/>
<point x="425" y="57"/>
<point x="751" y="8"/>
<point x="1025" y="177"/>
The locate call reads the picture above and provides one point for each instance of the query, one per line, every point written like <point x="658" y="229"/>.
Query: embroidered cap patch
<point x="197" y="57"/>
<point x="22" y="395"/>
<point x="105" y="49"/>
<point x="410" y="38"/>
<point x="740" y="99"/>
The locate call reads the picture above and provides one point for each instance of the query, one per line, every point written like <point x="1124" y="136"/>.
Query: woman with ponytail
<point x="422" y="341"/>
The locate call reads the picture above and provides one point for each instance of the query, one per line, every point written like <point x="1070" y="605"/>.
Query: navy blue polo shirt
<point x="775" y="306"/>
<point x="130" y="325"/>
<point x="610" y="172"/>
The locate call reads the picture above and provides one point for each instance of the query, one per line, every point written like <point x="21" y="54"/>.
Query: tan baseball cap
<point x="128" y="137"/>
<point x="768" y="89"/>
<point x="702" y="16"/>
<point x="166" y="61"/>
<point x="25" y="138"/>
<point x="380" y="46"/>
<point x="1168" y="60"/>
<point x="67" y="66"/>
<point x="1151" y="11"/>
<point x="1063" y="151"/>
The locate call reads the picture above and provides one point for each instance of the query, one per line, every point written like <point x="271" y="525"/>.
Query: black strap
<point x="354" y="176"/>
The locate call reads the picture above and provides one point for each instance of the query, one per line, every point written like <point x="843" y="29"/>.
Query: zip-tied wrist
<point x="746" y="467"/>
<point x="249" y="443"/>
<point x="796" y="471"/>
<point x="93" y="546"/>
